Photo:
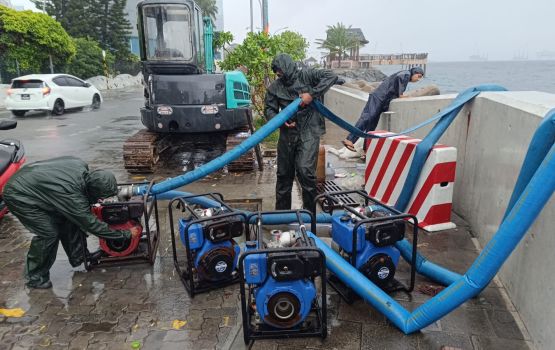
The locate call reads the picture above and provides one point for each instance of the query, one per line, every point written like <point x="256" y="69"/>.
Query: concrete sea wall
<point x="491" y="134"/>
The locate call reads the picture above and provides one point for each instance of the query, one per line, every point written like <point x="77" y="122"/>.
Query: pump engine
<point x="370" y="245"/>
<point x="123" y="212"/>
<point x="120" y="216"/>
<point x="209" y="237"/>
<point x="366" y="236"/>
<point x="279" y="291"/>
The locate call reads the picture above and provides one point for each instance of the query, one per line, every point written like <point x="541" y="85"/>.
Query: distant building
<point x="131" y="10"/>
<point x="310" y="62"/>
<point x="361" y="41"/>
<point x="354" y="54"/>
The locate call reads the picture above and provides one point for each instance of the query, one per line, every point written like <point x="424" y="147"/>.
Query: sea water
<point x="453" y="77"/>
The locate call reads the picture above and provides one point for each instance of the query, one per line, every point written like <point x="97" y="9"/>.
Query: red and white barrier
<point x="387" y="164"/>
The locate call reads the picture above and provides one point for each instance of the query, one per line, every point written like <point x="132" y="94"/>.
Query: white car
<point x="50" y="92"/>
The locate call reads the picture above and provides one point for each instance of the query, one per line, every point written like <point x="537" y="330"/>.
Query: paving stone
<point x="504" y="324"/>
<point x="265" y="344"/>
<point x="359" y="311"/>
<point x="80" y="341"/>
<point x="111" y="337"/>
<point x="386" y="337"/>
<point x="127" y="321"/>
<point x="441" y="340"/>
<point x="487" y="343"/>
<point x="182" y="335"/>
<point x="345" y="336"/>
<point x="467" y="321"/>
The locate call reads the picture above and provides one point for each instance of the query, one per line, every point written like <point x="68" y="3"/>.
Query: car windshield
<point x="168" y="32"/>
<point x="27" y="84"/>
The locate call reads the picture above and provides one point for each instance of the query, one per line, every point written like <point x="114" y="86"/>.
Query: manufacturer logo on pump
<point x="221" y="266"/>
<point x="383" y="273"/>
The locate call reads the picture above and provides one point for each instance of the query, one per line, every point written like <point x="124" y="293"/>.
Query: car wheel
<point x="96" y="102"/>
<point x="59" y="107"/>
<point x="19" y="113"/>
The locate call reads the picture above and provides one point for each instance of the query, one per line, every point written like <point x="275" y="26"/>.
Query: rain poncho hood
<point x="101" y="184"/>
<point x="285" y="63"/>
<point x="416" y="70"/>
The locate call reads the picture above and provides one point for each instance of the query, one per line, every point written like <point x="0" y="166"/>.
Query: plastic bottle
<point x="330" y="172"/>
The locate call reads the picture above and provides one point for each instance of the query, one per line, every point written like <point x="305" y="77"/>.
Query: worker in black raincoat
<point x="299" y="137"/>
<point x="52" y="199"/>
<point x="378" y="101"/>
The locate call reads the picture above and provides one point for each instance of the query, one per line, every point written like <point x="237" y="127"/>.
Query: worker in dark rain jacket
<point x="378" y="101"/>
<point x="299" y="137"/>
<point x="52" y="199"/>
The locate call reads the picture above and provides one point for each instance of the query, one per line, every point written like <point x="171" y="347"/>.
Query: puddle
<point x="96" y="327"/>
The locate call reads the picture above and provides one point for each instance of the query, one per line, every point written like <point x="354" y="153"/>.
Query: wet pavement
<point x="112" y="307"/>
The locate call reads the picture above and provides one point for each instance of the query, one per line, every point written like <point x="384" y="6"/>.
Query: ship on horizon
<point x="478" y="58"/>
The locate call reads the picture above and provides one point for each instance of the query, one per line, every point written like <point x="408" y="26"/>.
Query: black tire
<point x="59" y="107"/>
<point x="19" y="113"/>
<point x="96" y="102"/>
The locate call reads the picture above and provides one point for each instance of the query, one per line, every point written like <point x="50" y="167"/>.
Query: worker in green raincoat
<point x="299" y="137"/>
<point x="52" y="199"/>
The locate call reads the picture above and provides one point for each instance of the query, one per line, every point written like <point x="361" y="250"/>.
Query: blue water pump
<point x="366" y="237"/>
<point x="212" y="245"/>
<point x="208" y="235"/>
<point x="371" y="245"/>
<point x="278" y="285"/>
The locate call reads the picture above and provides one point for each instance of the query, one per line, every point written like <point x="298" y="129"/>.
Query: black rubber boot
<point x="43" y="285"/>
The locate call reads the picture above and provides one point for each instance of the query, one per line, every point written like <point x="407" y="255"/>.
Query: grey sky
<point x="449" y="30"/>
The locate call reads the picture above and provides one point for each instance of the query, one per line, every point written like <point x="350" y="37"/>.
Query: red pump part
<point x="122" y="247"/>
<point x="118" y="247"/>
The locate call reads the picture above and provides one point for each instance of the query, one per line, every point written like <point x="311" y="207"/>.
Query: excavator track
<point x="141" y="152"/>
<point x="247" y="161"/>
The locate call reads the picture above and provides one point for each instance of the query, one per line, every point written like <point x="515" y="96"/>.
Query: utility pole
<point x="265" y="23"/>
<point x="252" y="25"/>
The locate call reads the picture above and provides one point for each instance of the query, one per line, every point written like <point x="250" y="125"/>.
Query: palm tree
<point x="338" y="41"/>
<point x="208" y="8"/>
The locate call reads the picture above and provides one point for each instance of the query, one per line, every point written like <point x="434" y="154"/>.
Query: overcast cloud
<point x="450" y="30"/>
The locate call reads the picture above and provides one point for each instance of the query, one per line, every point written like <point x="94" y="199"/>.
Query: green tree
<point x="102" y="20"/>
<point x="88" y="61"/>
<point x="256" y="54"/>
<point x="338" y="41"/>
<point x="30" y="38"/>
<point x="74" y="15"/>
<point x="208" y="8"/>
<point x="115" y="29"/>
<point x="221" y="39"/>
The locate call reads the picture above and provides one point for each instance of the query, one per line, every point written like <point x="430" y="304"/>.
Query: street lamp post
<point x="252" y="25"/>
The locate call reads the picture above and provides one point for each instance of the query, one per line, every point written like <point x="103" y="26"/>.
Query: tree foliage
<point x="221" y="40"/>
<point x="102" y="20"/>
<point x="208" y="7"/>
<point x="256" y="53"/>
<point x="338" y="41"/>
<point x="88" y="61"/>
<point x="30" y="38"/>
